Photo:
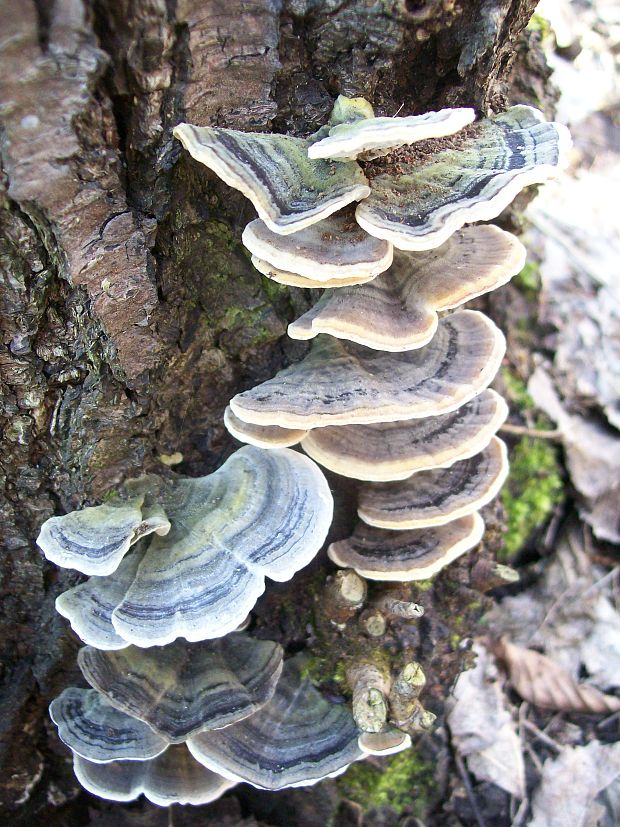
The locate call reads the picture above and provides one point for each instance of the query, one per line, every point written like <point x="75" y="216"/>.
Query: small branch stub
<point x="370" y="684"/>
<point x="344" y="595"/>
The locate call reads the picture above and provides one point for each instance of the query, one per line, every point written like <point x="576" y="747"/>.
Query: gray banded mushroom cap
<point x="336" y="247"/>
<point x="390" y="451"/>
<point x="95" y="540"/>
<point x="398" y="310"/>
<point x="384" y="743"/>
<point x="288" y="190"/>
<point x="343" y="383"/>
<point x="296" y="739"/>
<point x="97" y="731"/>
<point x="182" y="688"/>
<point x="434" y="498"/>
<point x="404" y="556"/>
<point x="295" y="280"/>
<point x="174" y="777"/>
<point x="261" y="436"/>
<point x="374" y="137"/>
<point x="88" y="607"/>
<point x="429" y="196"/>
<point x="262" y="514"/>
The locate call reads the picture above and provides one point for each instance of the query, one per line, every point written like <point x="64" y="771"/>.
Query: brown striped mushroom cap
<point x="289" y="190"/>
<point x="398" y="310"/>
<point x="174" y="777"/>
<point x="335" y="248"/>
<point x="228" y="532"/>
<point x="296" y="739"/>
<point x="387" y="742"/>
<point x="342" y="383"/>
<point x="418" y="199"/>
<point x="390" y="451"/>
<point x="295" y="280"/>
<point x="416" y="554"/>
<point x="437" y="497"/>
<point x="263" y="436"/>
<point x="373" y="137"/>
<point x="182" y="688"/>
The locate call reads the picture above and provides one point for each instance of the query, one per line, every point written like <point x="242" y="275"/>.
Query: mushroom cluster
<point x="394" y="393"/>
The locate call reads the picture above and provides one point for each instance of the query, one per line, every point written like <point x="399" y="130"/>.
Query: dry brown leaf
<point x="542" y="682"/>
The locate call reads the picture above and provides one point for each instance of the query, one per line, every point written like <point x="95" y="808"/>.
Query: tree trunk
<point x="129" y="312"/>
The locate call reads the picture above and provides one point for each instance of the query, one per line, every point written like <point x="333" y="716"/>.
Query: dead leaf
<point x="570" y="784"/>
<point x="542" y="682"/>
<point x="483" y="730"/>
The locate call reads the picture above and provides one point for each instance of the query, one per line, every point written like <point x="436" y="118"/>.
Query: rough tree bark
<point x="129" y="312"/>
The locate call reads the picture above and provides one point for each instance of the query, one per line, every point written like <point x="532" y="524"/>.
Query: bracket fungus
<point x="295" y="280"/>
<point x="403" y="556"/>
<point x="418" y="199"/>
<point x="296" y="739"/>
<point x="389" y="451"/>
<point x="398" y="310"/>
<point x="174" y="777"/>
<point x="95" y="540"/>
<point x="387" y="742"/>
<point x="263" y="436"/>
<point x="335" y="248"/>
<point x="182" y="689"/>
<point x="436" y="497"/>
<point x="373" y="137"/>
<point x="289" y="190"/>
<point x="343" y="384"/>
<point x="97" y="731"/>
<point x="229" y="531"/>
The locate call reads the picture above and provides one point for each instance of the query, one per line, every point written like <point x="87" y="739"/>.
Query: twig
<point x="469" y="790"/>
<point x="523" y="430"/>
<point x="516" y="822"/>
<point x="541" y="736"/>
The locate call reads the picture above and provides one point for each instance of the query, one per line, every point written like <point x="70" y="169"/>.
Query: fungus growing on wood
<point x="97" y="731"/>
<point x="295" y="280"/>
<point x="263" y="436"/>
<point x="288" y="190"/>
<point x="402" y="556"/>
<point x="335" y="248"/>
<point x="387" y="742"/>
<point x="372" y="137"/>
<point x="95" y="540"/>
<point x="439" y="496"/>
<point x="228" y="532"/>
<point x="296" y="739"/>
<point x="341" y="384"/>
<point x="395" y="450"/>
<point x="182" y="688"/>
<point x="174" y="777"/>
<point x="398" y="310"/>
<point x="418" y="199"/>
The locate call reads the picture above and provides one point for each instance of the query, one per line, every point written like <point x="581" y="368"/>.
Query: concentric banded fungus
<point x="172" y="778"/>
<point x="97" y="731"/>
<point x="341" y="384"/>
<point x="402" y="556"/>
<point x="294" y="280"/>
<point x="288" y="190"/>
<point x="398" y="310"/>
<point x="384" y="743"/>
<point x="89" y="606"/>
<point x="335" y="248"/>
<point x="425" y="199"/>
<point x="437" y="497"/>
<point x="261" y="436"/>
<point x="95" y="540"/>
<point x="263" y="513"/>
<point x="395" y="450"/>
<point x="184" y="688"/>
<point x="296" y="739"/>
<point x="374" y="137"/>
